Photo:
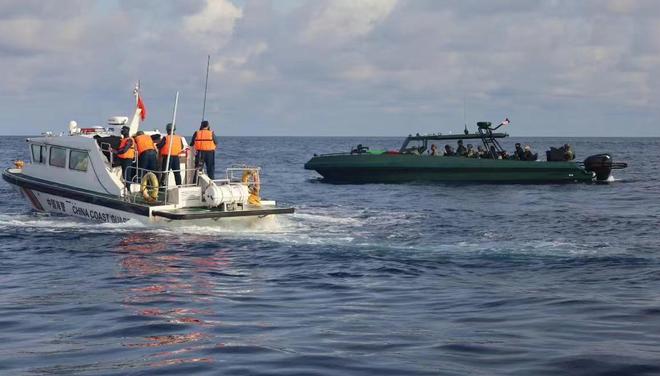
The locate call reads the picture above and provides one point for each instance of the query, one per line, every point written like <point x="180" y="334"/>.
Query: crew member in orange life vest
<point x="126" y="155"/>
<point x="146" y="152"/>
<point x="177" y="148"/>
<point x="205" y="143"/>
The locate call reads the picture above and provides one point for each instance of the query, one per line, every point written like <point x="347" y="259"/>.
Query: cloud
<point x="339" y="21"/>
<point x="214" y="24"/>
<point x="337" y="67"/>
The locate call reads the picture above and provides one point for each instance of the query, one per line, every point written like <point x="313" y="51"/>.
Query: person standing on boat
<point x="126" y="155"/>
<point x="205" y="144"/>
<point x="146" y="152"/>
<point x="177" y="147"/>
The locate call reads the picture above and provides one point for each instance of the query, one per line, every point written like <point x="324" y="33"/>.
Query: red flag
<point x="140" y="105"/>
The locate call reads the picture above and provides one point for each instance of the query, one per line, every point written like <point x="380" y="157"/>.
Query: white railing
<point x="189" y="178"/>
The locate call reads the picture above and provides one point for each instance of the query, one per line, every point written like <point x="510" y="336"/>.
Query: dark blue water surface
<point x="410" y="279"/>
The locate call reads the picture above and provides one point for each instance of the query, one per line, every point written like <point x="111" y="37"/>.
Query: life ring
<point x="149" y="187"/>
<point x="251" y="179"/>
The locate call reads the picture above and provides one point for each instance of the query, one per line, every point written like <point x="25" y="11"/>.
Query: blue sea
<point x="378" y="279"/>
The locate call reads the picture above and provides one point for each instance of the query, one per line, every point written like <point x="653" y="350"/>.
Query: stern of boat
<point x="236" y="195"/>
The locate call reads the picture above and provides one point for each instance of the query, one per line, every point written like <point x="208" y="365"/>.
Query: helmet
<point x="204" y="124"/>
<point x="168" y="128"/>
<point x="125" y="131"/>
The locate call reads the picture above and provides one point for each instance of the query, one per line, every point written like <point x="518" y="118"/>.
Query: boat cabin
<point x="74" y="161"/>
<point x="84" y="161"/>
<point x="418" y="144"/>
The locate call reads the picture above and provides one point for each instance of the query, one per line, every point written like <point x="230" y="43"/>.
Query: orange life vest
<point x="143" y="143"/>
<point x="130" y="152"/>
<point x="176" y="145"/>
<point x="204" y="140"/>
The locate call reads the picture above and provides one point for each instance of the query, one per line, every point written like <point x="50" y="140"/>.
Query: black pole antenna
<point x="464" y="121"/>
<point x="206" y="85"/>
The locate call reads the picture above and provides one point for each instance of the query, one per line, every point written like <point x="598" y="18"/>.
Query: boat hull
<point x="384" y="168"/>
<point x="55" y="198"/>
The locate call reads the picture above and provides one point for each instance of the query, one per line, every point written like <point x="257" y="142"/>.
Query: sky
<point x="334" y="67"/>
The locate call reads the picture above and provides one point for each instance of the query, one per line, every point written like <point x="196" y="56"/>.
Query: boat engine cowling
<point x="600" y="164"/>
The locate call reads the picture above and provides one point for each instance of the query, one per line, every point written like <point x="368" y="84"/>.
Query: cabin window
<point x="38" y="153"/>
<point x="78" y="160"/>
<point x="57" y="156"/>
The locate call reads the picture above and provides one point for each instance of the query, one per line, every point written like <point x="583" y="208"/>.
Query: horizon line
<point x="377" y="136"/>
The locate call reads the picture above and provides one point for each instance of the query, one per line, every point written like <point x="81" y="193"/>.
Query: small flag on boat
<point x="505" y="122"/>
<point x="140" y="105"/>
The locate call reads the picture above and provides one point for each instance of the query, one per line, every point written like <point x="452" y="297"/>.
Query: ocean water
<point x="382" y="279"/>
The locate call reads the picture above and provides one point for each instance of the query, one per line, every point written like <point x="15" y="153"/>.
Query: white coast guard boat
<point x="76" y="174"/>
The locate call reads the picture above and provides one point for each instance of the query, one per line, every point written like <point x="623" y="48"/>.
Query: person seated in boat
<point x="449" y="151"/>
<point x="519" y="154"/>
<point x="471" y="153"/>
<point x="126" y="155"/>
<point x="481" y="152"/>
<point x="176" y="143"/>
<point x="461" y="151"/>
<point x="529" y="156"/>
<point x="569" y="155"/>
<point x="434" y="150"/>
<point x="504" y="155"/>
<point x="146" y="152"/>
<point x="359" y="149"/>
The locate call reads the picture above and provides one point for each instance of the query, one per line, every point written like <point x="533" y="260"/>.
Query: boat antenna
<point x="169" y="151"/>
<point x="206" y="85"/>
<point x="464" y="121"/>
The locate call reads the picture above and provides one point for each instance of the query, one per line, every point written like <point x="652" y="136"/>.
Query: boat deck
<point x="205" y="213"/>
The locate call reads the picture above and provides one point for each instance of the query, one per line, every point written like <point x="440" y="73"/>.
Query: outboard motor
<point x="602" y="165"/>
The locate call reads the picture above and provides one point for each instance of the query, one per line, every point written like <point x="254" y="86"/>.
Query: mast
<point x="169" y="152"/>
<point x="206" y="85"/>
<point x="134" y="125"/>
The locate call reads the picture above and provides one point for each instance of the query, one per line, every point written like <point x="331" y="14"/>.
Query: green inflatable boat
<point x="414" y="161"/>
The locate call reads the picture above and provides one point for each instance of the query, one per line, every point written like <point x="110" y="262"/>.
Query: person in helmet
<point x="177" y="147"/>
<point x="126" y="155"/>
<point x="471" y="153"/>
<point x="519" y="153"/>
<point x="461" y="151"/>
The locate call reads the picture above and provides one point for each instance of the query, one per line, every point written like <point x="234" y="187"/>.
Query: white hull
<point x="49" y="203"/>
